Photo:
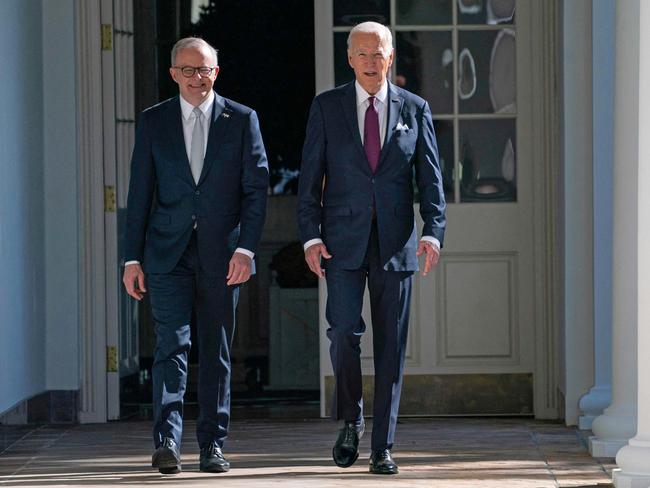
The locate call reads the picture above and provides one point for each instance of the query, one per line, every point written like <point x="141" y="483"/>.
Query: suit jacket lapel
<point x="349" y="103"/>
<point x="219" y="124"/>
<point x="395" y="104"/>
<point x="177" y="138"/>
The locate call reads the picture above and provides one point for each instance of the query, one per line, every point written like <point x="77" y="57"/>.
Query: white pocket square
<point x="401" y="126"/>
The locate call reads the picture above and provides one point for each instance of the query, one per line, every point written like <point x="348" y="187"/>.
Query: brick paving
<point x="456" y="452"/>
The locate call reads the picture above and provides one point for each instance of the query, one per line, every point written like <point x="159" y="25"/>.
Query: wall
<point x="60" y="186"/>
<point x="39" y="343"/>
<point x="22" y="292"/>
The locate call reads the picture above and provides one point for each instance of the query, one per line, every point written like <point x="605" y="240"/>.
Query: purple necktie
<point x="371" y="141"/>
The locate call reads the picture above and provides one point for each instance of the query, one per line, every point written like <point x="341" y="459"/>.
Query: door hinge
<point x="107" y="37"/>
<point x="109" y="199"/>
<point x="111" y="359"/>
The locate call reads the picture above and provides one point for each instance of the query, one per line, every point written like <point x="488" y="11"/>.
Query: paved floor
<point x="458" y="453"/>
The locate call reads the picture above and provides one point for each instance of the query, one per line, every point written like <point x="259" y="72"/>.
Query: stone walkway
<point x="458" y="453"/>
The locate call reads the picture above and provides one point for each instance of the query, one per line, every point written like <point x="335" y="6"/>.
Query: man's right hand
<point x="134" y="281"/>
<point x="313" y="254"/>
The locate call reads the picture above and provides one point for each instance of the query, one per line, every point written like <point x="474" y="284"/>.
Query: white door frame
<point x="92" y="252"/>
<point x="99" y="274"/>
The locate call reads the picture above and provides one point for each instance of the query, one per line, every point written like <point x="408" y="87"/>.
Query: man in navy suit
<point x="196" y="207"/>
<point x="355" y="212"/>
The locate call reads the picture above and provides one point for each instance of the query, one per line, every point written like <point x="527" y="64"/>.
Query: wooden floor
<point x="458" y="453"/>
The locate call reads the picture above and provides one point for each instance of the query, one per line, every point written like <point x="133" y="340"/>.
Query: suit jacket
<point x="164" y="203"/>
<point x="340" y="210"/>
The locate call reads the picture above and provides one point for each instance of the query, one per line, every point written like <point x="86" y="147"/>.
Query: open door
<point x="479" y="329"/>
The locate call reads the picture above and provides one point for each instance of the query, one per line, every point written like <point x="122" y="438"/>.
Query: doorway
<point x="266" y="59"/>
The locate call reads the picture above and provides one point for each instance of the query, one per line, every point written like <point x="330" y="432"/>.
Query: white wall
<point x="60" y="187"/>
<point x="22" y="293"/>
<point x="39" y="344"/>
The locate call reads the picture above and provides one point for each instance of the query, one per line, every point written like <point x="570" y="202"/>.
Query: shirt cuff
<point x="245" y="252"/>
<point x="432" y="240"/>
<point x="131" y="262"/>
<point x="311" y="242"/>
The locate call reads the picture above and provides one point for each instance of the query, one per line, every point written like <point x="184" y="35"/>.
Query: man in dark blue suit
<point x="355" y="212"/>
<point x="196" y="208"/>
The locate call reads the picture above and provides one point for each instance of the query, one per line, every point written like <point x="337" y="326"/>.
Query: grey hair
<point x="385" y="37"/>
<point x="188" y="42"/>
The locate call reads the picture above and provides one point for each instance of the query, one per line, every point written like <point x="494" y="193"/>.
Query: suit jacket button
<point x="197" y="192"/>
<point x="193" y="217"/>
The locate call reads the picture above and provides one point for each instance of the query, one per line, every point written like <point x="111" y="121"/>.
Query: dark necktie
<point x="371" y="141"/>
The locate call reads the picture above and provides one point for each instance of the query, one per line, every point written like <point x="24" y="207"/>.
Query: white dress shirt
<point x="188" y="126"/>
<point x="381" y="105"/>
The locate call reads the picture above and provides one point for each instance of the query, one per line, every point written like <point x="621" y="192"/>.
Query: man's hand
<point x="133" y="280"/>
<point x="313" y="254"/>
<point x="431" y="257"/>
<point x="239" y="269"/>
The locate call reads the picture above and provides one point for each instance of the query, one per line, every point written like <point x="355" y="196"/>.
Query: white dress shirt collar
<point x="205" y="107"/>
<point x="363" y="95"/>
<point x="381" y="106"/>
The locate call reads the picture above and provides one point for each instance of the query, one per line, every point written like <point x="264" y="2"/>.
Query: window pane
<point x="423" y="12"/>
<point x="486" y="12"/>
<point x="445" y="137"/>
<point x="342" y="71"/>
<point x="488" y="160"/>
<point x="487" y="71"/>
<point x="424" y="65"/>
<point x="353" y="13"/>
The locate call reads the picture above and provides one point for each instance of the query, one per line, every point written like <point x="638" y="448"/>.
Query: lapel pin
<point x="225" y="115"/>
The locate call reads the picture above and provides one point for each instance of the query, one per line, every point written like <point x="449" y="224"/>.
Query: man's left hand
<point x="432" y="254"/>
<point x="239" y="269"/>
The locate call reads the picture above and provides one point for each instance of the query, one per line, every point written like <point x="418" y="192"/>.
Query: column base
<point x="611" y="431"/>
<point x="623" y="480"/>
<point x="592" y="405"/>
<point x="605" y="448"/>
<point x="585" y="421"/>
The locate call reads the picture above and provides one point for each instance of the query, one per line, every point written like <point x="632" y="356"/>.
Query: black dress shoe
<point x="346" y="448"/>
<point x="381" y="462"/>
<point x="211" y="459"/>
<point x="167" y="458"/>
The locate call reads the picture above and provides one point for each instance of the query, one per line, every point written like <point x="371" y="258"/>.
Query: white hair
<point x="385" y="37"/>
<point x="188" y="42"/>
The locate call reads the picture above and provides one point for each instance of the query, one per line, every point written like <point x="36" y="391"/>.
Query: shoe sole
<point x="373" y="471"/>
<point x="214" y="470"/>
<point x="170" y="470"/>
<point x="341" y="465"/>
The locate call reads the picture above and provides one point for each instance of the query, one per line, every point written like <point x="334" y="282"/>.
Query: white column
<point x="599" y="396"/>
<point x="618" y="422"/>
<point x="578" y="197"/>
<point x="634" y="459"/>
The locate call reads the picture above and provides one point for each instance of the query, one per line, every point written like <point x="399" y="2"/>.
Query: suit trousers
<point x="390" y="296"/>
<point x="173" y="297"/>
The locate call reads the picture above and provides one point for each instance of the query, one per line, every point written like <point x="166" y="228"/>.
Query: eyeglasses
<point x="189" y="71"/>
